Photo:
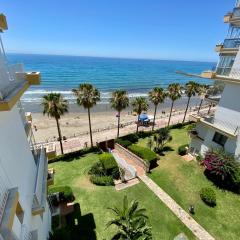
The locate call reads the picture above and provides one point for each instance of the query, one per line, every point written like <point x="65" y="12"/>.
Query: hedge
<point x="133" y="137"/>
<point x="108" y="161"/>
<point x="102" y="180"/>
<point x="144" y="153"/>
<point x="124" y="143"/>
<point x="65" y="192"/>
<point x="72" y="155"/>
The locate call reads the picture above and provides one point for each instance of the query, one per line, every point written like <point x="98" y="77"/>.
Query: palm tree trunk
<point x="170" y="115"/>
<point x="210" y="106"/>
<point x="155" y="111"/>
<point x="90" y="127"/>
<point x="59" y="135"/>
<point x="137" y="122"/>
<point x="118" y="124"/>
<point x="186" y="109"/>
<point x="200" y="105"/>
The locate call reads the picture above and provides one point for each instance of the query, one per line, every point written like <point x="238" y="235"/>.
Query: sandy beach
<point x="75" y="123"/>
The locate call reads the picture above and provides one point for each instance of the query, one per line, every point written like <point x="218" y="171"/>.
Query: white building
<point x="222" y="129"/>
<point x="24" y="210"/>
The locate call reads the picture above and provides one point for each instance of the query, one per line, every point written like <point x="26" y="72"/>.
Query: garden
<point x="215" y="206"/>
<point x="91" y="202"/>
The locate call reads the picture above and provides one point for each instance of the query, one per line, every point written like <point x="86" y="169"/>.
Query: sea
<point x="137" y="76"/>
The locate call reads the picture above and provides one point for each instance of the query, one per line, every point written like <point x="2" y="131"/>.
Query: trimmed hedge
<point x="76" y="154"/>
<point x="108" y="161"/>
<point x="65" y="193"/>
<point x="208" y="196"/>
<point x="144" y="153"/>
<point x="124" y="143"/>
<point x="102" y="180"/>
<point x="182" y="150"/>
<point x="133" y="137"/>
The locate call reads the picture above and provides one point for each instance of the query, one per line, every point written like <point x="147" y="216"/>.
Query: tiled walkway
<point x="197" y="230"/>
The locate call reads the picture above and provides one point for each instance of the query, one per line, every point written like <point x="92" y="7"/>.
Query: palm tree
<point x="139" y="105"/>
<point x="119" y="102"/>
<point x="174" y="93"/>
<point x="55" y="106"/>
<point x="161" y="138"/>
<point x="202" y="92"/>
<point x="87" y="96"/>
<point x="191" y="89"/>
<point x="130" y="221"/>
<point x="156" y="96"/>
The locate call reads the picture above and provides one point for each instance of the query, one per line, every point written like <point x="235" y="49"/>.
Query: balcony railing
<point x="231" y="43"/>
<point x="25" y="233"/>
<point x="40" y="183"/>
<point x="236" y="12"/>
<point x="237" y="3"/>
<point x="4" y="191"/>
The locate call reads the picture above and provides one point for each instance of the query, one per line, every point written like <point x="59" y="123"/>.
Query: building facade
<point x="24" y="209"/>
<point x="222" y="130"/>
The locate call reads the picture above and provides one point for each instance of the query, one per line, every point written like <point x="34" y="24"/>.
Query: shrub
<point x="182" y="150"/>
<point x="145" y="134"/>
<point x="221" y="164"/>
<point x="72" y="155"/>
<point x="124" y="143"/>
<point x="102" y="180"/>
<point x="144" y="153"/>
<point x="97" y="169"/>
<point x="65" y="193"/>
<point x="133" y="137"/>
<point x="208" y="196"/>
<point x="108" y="161"/>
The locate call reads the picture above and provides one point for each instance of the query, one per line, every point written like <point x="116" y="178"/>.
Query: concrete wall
<point x="16" y="161"/>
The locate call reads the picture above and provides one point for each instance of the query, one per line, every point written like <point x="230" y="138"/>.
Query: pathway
<point x="197" y="230"/>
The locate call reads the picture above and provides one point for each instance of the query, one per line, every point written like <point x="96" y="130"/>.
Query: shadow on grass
<point x="77" y="227"/>
<point x="164" y="150"/>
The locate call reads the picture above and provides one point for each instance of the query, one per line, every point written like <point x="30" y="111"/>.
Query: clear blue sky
<point x="158" y="29"/>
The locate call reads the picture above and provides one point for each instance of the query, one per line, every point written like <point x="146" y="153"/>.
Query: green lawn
<point x="183" y="180"/>
<point x="94" y="201"/>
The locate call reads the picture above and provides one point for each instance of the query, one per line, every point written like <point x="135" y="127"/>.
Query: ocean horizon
<point x="137" y="76"/>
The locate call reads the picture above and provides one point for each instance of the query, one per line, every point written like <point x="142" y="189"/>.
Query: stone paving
<point x="196" y="229"/>
<point x="130" y="183"/>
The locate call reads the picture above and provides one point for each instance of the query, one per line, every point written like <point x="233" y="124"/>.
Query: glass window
<point x="219" y="139"/>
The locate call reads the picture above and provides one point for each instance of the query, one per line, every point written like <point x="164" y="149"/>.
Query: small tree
<point x="130" y="222"/>
<point x="150" y="143"/>
<point x="162" y="137"/>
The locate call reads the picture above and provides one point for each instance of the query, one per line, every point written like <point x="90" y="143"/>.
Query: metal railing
<point x="231" y="43"/>
<point x="236" y="12"/>
<point x="4" y="191"/>
<point x="25" y="234"/>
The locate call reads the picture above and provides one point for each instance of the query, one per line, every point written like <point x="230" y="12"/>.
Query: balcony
<point x="230" y="46"/>
<point x="224" y="127"/>
<point x="27" y="124"/>
<point x="40" y="190"/>
<point x="233" y="17"/>
<point x="13" y="83"/>
<point x="3" y="22"/>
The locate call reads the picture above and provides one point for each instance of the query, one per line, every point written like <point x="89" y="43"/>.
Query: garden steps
<point x="186" y="219"/>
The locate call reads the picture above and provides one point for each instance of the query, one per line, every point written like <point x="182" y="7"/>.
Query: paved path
<point x="197" y="230"/>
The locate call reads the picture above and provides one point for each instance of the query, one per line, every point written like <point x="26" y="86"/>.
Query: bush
<point x="144" y="153"/>
<point x="124" y="143"/>
<point x="182" y="150"/>
<point x="65" y="193"/>
<point x="145" y="134"/>
<point x="208" y="196"/>
<point x="102" y="180"/>
<point x="72" y="155"/>
<point x="97" y="169"/>
<point x="108" y="161"/>
<point x="133" y="137"/>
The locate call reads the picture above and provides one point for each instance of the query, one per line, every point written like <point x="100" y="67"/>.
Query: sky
<point x="154" y="29"/>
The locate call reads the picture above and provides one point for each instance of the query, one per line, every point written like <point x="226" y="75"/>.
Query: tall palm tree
<point x="191" y="89"/>
<point x="55" y="106"/>
<point x="202" y="92"/>
<point x="119" y="101"/>
<point x="139" y="105"/>
<point x="174" y="93"/>
<point x="87" y="96"/>
<point x="156" y="96"/>
<point x="130" y="221"/>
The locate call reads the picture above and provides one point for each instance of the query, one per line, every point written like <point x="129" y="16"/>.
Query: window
<point x="219" y="139"/>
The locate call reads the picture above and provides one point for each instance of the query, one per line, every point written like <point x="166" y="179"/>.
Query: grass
<point x="183" y="180"/>
<point x="94" y="200"/>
